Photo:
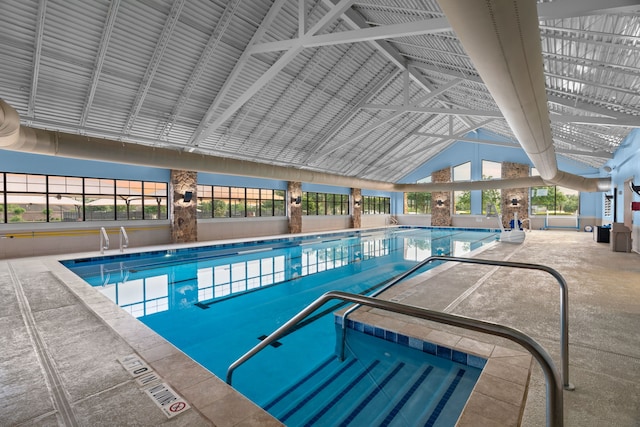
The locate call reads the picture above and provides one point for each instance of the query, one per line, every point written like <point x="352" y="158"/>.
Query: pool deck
<point x="62" y="342"/>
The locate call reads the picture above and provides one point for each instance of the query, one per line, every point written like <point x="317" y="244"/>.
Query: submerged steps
<point x="376" y="388"/>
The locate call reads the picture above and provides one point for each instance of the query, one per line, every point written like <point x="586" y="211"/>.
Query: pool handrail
<point x="104" y="240"/>
<point x="564" y="300"/>
<point x="124" y="239"/>
<point x="554" y="404"/>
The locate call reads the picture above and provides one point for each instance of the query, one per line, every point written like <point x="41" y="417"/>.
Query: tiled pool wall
<point x="415" y="343"/>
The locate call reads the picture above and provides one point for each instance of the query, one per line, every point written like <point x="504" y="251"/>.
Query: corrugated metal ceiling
<point x="234" y="79"/>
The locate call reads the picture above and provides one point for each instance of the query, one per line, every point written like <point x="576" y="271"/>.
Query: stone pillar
<point x="521" y="195"/>
<point x="184" y="223"/>
<point x="294" y="193"/>
<point x="356" y="214"/>
<point x="441" y="200"/>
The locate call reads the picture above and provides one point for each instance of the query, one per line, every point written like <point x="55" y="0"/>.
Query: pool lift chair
<point x="513" y="235"/>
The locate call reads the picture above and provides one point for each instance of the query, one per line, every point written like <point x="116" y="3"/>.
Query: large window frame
<point x="491" y="170"/>
<point x="462" y="199"/>
<point x="39" y="198"/>
<point x="217" y="201"/>
<point x="376" y="205"/>
<point x="324" y="204"/>
<point x="418" y="203"/>
<point x="553" y="200"/>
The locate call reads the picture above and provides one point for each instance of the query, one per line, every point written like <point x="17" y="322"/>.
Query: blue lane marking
<point x="317" y="391"/>
<point x="299" y="383"/>
<point x="445" y="398"/>
<point x="396" y="409"/>
<point x="340" y="395"/>
<point x="371" y="396"/>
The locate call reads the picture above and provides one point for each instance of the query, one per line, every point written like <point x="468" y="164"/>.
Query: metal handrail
<point x="554" y="411"/>
<point x="125" y="238"/>
<point x="564" y="301"/>
<point x="104" y="240"/>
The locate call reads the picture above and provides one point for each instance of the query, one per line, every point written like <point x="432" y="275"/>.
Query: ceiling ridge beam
<point x="205" y="129"/>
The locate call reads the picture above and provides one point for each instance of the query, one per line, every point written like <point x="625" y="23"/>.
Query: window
<point x="462" y="205"/>
<point x="462" y="199"/>
<point x="372" y="205"/>
<point x="53" y="198"/>
<point x="324" y="203"/>
<point x="462" y="172"/>
<point x="553" y="200"/>
<point x="491" y="170"/>
<point x="418" y="203"/>
<point x="225" y="202"/>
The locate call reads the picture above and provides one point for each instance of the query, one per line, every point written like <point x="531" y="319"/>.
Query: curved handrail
<point x="124" y="239"/>
<point x="554" y="412"/>
<point x="564" y="300"/>
<point x="104" y="240"/>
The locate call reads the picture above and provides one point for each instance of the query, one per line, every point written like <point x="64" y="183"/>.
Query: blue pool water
<point x="217" y="302"/>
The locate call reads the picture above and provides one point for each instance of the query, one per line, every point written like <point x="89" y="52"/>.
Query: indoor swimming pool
<point x="217" y="302"/>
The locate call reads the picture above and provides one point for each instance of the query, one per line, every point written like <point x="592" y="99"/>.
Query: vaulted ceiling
<point x="369" y="89"/>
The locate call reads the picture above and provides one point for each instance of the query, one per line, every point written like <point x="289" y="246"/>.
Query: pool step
<point x="366" y="393"/>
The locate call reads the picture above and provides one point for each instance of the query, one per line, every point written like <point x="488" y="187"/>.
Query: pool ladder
<point x="104" y="239"/>
<point x="554" y="410"/>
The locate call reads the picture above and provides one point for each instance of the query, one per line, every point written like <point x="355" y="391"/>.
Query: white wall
<point x="238" y="228"/>
<point x="311" y="224"/>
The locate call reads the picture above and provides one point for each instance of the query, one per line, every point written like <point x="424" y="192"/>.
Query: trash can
<point x="620" y="238"/>
<point x="601" y="233"/>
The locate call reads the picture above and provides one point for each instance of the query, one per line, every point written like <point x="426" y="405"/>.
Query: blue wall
<point x="18" y="162"/>
<point x="626" y="165"/>
<point x="462" y="152"/>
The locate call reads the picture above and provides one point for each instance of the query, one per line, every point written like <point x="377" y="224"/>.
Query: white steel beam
<point x="514" y="144"/>
<point x="204" y="124"/>
<point x="205" y="129"/>
<point x="153" y="65"/>
<point x="198" y="69"/>
<point x="37" y="54"/>
<point x="99" y="62"/>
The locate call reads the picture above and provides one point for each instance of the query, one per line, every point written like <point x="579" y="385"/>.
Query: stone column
<point x="519" y="195"/>
<point x="184" y="223"/>
<point x="294" y="194"/>
<point x="441" y="200"/>
<point x="356" y="214"/>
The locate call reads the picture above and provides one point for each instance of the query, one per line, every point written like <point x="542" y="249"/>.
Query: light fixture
<point x="514" y="202"/>
<point x="440" y="202"/>
<point x="188" y="195"/>
<point x="356" y="202"/>
<point x="296" y="200"/>
<point x="634" y="188"/>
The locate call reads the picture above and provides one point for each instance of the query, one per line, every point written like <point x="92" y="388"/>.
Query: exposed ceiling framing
<point x="369" y="89"/>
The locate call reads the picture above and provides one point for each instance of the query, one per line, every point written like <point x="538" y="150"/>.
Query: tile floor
<point x="60" y="340"/>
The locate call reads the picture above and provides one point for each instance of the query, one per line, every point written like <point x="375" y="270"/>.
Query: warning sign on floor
<point x="167" y="400"/>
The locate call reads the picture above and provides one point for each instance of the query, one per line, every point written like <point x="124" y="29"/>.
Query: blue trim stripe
<point x="396" y="409"/>
<point x="416" y="343"/>
<point x="317" y="390"/>
<point x="340" y="395"/>
<point x="371" y="396"/>
<point x="445" y="398"/>
<point x="299" y="383"/>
